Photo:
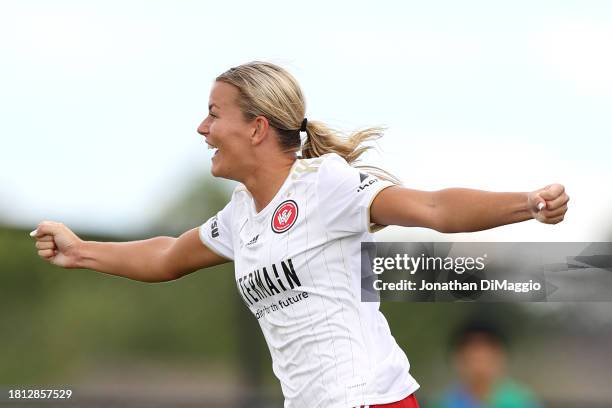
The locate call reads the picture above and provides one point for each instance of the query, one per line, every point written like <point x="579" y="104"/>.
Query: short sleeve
<point x="216" y="233"/>
<point x="345" y="195"/>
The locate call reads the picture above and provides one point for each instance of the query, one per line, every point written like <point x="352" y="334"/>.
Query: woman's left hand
<point x="548" y="204"/>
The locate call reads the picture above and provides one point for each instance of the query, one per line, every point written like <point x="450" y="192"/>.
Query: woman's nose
<point x="203" y="129"/>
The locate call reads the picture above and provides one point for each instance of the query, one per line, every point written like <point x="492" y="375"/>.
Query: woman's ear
<point x="260" y="131"/>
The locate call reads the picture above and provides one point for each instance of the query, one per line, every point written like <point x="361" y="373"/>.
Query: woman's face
<point x="226" y="129"/>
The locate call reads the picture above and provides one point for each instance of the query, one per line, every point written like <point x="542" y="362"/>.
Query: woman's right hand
<point x="57" y="244"/>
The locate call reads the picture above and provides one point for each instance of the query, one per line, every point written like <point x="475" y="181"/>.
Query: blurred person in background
<point x="293" y="229"/>
<point x="479" y="356"/>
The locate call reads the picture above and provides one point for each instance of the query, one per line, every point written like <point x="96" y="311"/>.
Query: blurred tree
<point x="202" y="198"/>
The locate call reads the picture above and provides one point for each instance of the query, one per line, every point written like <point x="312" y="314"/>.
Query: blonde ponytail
<point x="322" y="140"/>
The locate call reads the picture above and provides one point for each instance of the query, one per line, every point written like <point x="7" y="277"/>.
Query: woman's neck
<point x="264" y="181"/>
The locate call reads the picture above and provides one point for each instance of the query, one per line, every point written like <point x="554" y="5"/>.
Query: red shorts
<point x="408" y="402"/>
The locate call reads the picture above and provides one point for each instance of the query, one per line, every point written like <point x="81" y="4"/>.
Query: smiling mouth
<point x="215" y="148"/>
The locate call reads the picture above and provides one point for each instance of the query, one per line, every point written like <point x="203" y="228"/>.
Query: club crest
<point x="284" y="216"/>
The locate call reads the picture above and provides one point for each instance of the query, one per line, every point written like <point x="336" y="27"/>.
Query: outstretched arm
<point x="465" y="210"/>
<point x="157" y="259"/>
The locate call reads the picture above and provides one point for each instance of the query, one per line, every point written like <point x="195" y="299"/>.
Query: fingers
<point x="550" y="204"/>
<point x="46" y="253"/>
<point x="552" y="191"/>
<point x="555" y="220"/>
<point x="45" y="245"/>
<point x="45" y="238"/>
<point x="550" y="198"/>
<point x="557" y="202"/>
<point x="552" y="216"/>
<point x="554" y="213"/>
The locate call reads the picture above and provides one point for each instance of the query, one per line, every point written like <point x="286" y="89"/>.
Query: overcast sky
<point x="100" y="100"/>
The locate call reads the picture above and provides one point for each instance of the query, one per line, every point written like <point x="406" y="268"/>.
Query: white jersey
<point x="298" y="269"/>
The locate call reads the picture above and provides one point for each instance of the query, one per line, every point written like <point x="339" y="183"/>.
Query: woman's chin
<point x="216" y="171"/>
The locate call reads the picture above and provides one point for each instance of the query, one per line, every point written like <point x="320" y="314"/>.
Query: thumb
<point x="535" y="200"/>
<point x="45" y="228"/>
<point x="539" y="202"/>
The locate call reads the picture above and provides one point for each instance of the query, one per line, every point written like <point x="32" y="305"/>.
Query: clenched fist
<point x="548" y="204"/>
<point x="57" y="244"/>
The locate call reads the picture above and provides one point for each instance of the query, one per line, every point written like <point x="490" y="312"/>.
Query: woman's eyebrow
<point x="211" y="105"/>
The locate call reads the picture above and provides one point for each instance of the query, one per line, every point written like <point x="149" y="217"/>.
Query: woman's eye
<point x="212" y="115"/>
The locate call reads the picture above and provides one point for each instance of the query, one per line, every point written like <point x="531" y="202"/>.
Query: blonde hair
<point x="270" y="91"/>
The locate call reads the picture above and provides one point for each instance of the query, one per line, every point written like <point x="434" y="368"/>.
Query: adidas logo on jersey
<point x="253" y="241"/>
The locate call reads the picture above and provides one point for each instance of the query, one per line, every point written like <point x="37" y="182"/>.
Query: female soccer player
<point x="293" y="228"/>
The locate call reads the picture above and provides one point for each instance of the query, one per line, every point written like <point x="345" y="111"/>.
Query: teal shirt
<point x="506" y="394"/>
